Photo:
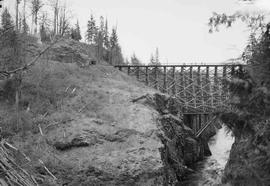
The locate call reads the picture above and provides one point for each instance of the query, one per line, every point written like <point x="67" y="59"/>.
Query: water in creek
<point x="209" y="172"/>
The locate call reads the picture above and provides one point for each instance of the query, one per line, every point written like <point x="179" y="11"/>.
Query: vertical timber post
<point x="192" y="82"/>
<point x="224" y="89"/>
<point x="216" y="99"/>
<point x="208" y="84"/>
<point x="201" y="98"/>
<point x="165" y="79"/>
<point x="183" y="86"/>
<point x="174" y="81"/>
<point x="211" y="90"/>
<point x="128" y="70"/>
<point x="156" y="78"/>
<point x="224" y="72"/>
<point x="146" y="76"/>
<point x="233" y="70"/>
<point x="138" y="73"/>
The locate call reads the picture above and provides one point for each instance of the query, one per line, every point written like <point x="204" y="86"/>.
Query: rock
<point x="180" y="148"/>
<point x="77" y="141"/>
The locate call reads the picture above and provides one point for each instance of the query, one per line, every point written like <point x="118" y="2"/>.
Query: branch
<point x="47" y="170"/>
<point x="139" y="98"/>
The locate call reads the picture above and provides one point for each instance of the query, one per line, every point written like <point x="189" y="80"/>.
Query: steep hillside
<point x="85" y="124"/>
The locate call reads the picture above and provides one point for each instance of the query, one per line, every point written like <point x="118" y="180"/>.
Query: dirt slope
<point x="82" y="123"/>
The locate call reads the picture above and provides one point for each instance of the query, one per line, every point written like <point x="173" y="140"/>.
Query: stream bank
<point x="181" y="149"/>
<point x="209" y="172"/>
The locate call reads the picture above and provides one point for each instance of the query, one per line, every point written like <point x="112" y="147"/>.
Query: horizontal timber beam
<point x="218" y="65"/>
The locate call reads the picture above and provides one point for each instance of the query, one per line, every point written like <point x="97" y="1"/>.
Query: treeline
<point x="154" y="59"/>
<point x="12" y="43"/>
<point x="52" y="19"/>
<point x="42" y="24"/>
<point x="106" y="43"/>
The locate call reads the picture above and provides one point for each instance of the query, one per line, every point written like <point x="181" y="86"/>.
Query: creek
<point x="209" y="171"/>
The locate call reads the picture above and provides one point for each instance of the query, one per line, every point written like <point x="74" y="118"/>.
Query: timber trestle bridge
<point x="199" y="88"/>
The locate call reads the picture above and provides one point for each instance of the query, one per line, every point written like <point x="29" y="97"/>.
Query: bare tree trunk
<point x="24" y="7"/>
<point x="32" y="25"/>
<point x="17" y="15"/>
<point x="55" y="21"/>
<point x="35" y="23"/>
<point x="17" y="109"/>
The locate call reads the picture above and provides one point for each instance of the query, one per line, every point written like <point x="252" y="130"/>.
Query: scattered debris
<point x="11" y="172"/>
<point x="47" y="170"/>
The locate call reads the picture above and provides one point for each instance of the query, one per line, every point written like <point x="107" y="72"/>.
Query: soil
<point x="82" y="122"/>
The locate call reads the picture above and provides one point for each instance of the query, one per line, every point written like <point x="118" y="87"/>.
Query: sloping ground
<point x="83" y="124"/>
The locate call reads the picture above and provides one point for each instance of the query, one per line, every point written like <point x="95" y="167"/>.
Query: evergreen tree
<point x="99" y="39"/>
<point x="114" y="38"/>
<point x="117" y="57"/>
<point x="152" y="60"/>
<point x="91" y="30"/>
<point x="114" y="47"/>
<point x="25" y="27"/>
<point x="157" y="62"/>
<point x="134" y="60"/>
<point x="44" y="28"/>
<point x="43" y="33"/>
<point x="106" y="36"/>
<point x="76" y="32"/>
<point x="6" y="20"/>
<point x="102" y="25"/>
<point x="9" y="44"/>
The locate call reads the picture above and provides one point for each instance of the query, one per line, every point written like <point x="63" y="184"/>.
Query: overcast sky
<point x="177" y="27"/>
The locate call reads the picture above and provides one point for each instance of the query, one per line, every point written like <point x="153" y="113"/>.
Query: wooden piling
<point x="138" y="73"/>
<point x="216" y="99"/>
<point x="156" y="77"/>
<point x="128" y="70"/>
<point x="146" y="76"/>
<point x="174" y="81"/>
<point x="183" y="88"/>
<point x="165" y="79"/>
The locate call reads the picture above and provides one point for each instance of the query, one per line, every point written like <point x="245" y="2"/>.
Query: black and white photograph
<point x="134" y="92"/>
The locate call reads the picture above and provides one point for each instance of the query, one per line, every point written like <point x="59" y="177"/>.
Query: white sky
<point x="177" y="27"/>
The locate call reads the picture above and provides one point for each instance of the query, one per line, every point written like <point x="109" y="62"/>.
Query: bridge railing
<point x="200" y="88"/>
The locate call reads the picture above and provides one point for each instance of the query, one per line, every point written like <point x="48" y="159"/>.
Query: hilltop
<point x="80" y="118"/>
